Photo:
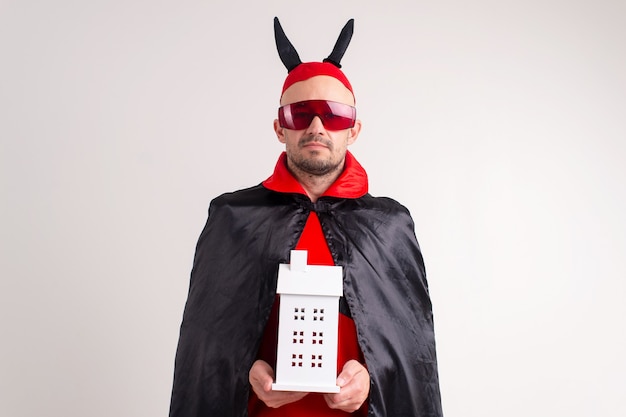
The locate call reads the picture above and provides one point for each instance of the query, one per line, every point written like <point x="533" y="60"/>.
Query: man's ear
<point x="353" y="132"/>
<point x="280" y="131"/>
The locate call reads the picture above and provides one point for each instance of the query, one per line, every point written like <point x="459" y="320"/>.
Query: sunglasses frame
<point x="334" y="115"/>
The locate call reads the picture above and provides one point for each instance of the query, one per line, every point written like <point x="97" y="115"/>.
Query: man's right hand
<point x="261" y="378"/>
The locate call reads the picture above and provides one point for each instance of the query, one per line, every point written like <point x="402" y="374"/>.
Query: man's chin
<point x="316" y="167"/>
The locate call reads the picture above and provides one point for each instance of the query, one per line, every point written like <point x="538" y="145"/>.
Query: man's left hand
<point x="354" y="381"/>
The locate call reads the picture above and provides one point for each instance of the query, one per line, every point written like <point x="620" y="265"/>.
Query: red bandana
<point x="308" y="70"/>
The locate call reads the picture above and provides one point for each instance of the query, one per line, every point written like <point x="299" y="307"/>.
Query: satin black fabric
<point x="233" y="285"/>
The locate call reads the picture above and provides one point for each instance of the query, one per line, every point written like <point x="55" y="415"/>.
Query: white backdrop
<point x="501" y="125"/>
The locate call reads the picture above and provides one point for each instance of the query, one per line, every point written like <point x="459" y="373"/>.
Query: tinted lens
<point x="334" y="116"/>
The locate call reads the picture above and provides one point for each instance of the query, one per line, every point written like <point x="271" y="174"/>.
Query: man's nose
<point x="316" y="126"/>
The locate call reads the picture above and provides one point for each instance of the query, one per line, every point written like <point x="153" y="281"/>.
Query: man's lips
<point x="315" y="143"/>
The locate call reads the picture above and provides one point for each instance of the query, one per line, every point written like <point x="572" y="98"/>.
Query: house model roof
<point x="300" y="278"/>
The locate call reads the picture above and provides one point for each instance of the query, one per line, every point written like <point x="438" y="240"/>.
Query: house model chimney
<point x="308" y="324"/>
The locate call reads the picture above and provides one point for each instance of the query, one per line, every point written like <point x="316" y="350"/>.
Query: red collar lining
<point x="352" y="183"/>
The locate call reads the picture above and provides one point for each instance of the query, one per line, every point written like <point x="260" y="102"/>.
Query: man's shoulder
<point x="257" y="196"/>
<point x="382" y="204"/>
<point x="254" y="192"/>
<point x="252" y="196"/>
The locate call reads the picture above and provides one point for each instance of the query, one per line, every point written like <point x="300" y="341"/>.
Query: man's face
<point x="315" y="150"/>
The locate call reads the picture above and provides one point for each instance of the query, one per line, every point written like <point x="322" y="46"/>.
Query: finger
<point x="261" y="376"/>
<point x="342" y="402"/>
<point x="349" y="371"/>
<point x="277" y="399"/>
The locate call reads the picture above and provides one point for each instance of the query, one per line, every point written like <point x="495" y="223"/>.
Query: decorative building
<point x="307" y="325"/>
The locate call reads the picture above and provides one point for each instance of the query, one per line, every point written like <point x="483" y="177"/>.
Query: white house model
<point x="308" y="324"/>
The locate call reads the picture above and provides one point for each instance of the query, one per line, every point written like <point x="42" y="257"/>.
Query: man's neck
<point x="315" y="185"/>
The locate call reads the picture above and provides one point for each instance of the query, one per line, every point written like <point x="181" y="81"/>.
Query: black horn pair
<point x="290" y="57"/>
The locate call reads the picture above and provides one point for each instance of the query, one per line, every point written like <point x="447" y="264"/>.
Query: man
<point x="317" y="200"/>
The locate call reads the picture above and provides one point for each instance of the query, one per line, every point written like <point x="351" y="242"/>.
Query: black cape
<point x="233" y="285"/>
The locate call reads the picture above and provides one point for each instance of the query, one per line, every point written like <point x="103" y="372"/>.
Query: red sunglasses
<point x="334" y="116"/>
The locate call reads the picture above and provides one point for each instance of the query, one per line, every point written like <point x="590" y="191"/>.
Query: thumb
<point x="347" y="373"/>
<point x="263" y="375"/>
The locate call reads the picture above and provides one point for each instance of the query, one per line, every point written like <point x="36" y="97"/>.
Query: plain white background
<point x="501" y="125"/>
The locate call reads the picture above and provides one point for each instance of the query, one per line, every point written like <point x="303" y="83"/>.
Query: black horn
<point x="286" y="51"/>
<point x="342" y="44"/>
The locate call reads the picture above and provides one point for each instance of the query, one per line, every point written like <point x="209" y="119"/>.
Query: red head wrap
<point x="308" y="70"/>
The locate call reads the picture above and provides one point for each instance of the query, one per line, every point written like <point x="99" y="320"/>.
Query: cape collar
<point x="352" y="183"/>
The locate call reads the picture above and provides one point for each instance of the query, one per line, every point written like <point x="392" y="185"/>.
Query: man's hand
<point x="261" y="377"/>
<point x="354" y="381"/>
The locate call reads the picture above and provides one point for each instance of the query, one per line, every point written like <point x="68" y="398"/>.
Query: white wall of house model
<point x="307" y="325"/>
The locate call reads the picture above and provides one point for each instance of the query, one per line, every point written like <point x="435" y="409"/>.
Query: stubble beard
<point x="314" y="166"/>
